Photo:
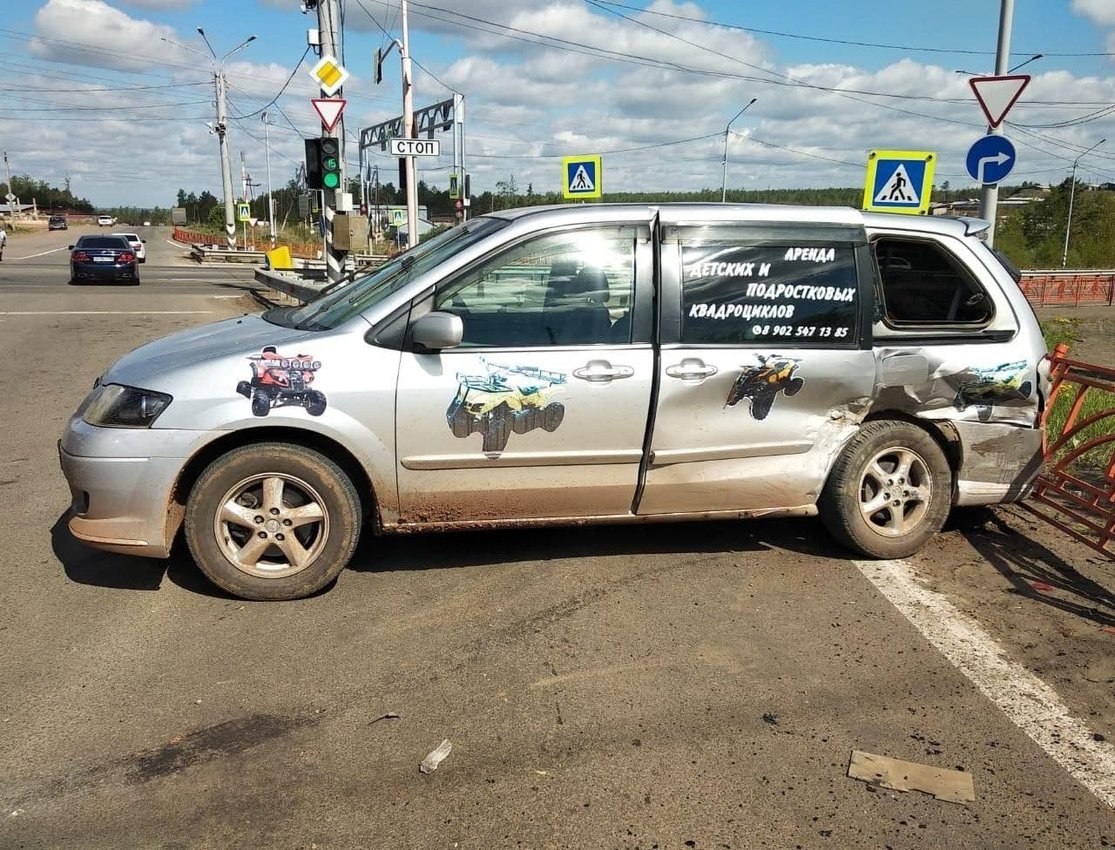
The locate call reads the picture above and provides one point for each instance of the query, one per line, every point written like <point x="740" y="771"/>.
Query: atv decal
<point x="761" y="384"/>
<point x="983" y="387"/>
<point x="279" y="381"/>
<point x="505" y="400"/>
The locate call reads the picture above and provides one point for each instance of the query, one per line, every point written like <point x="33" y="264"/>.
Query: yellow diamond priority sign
<point x="330" y="74"/>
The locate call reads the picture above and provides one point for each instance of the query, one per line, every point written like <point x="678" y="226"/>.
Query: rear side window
<point x="102" y="242"/>
<point x="923" y="284"/>
<point x="749" y="291"/>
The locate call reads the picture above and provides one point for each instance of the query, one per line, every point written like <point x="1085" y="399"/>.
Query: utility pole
<point x="221" y="127"/>
<point x="410" y="131"/>
<point x="226" y="168"/>
<point x="328" y="14"/>
<point x="11" y="203"/>
<point x="270" y="194"/>
<point x="989" y="196"/>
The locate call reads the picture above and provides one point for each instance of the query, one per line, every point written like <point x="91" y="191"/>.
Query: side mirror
<point x="438" y="330"/>
<point x="70" y="247"/>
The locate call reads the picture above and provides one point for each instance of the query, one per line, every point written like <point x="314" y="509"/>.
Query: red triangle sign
<point x="996" y="95"/>
<point x="329" y="110"/>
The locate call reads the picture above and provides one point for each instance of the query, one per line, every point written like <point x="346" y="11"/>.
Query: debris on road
<point x="389" y="716"/>
<point x="436" y="757"/>
<point x="950" y="786"/>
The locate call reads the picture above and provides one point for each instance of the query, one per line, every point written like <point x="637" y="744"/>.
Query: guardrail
<point x="1076" y="490"/>
<point x="1057" y="287"/>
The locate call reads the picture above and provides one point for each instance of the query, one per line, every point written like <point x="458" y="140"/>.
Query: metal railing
<point x="1045" y="288"/>
<point x="1076" y="490"/>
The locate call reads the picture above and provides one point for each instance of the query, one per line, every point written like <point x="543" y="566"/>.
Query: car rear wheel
<point x="889" y="491"/>
<point x="272" y="521"/>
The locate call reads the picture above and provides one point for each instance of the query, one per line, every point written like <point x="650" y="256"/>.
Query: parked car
<point x="579" y="364"/>
<point x="57" y="222"/>
<point x="105" y="221"/>
<point x="103" y="258"/>
<point x="137" y="245"/>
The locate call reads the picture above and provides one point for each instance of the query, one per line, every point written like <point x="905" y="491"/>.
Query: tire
<point x="244" y="388"/>
<point x="315" y="403"/>
<point x="236" y="499"/>
<point x="761" y="405"/>
<point x="794" y="385"/>
<point x="867" y="470"/>
<point x="261" y="404"/>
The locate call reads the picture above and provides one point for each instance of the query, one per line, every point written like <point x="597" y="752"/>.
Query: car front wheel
<point x="889" y="491"/>
<point x="272" y="521"/>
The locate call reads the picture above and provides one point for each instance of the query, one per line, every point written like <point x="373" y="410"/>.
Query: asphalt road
<point x="38" y="263"/>
<point x="679" y="686"/>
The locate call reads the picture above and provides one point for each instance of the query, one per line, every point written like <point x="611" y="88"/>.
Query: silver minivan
<point x="590" y="363"/>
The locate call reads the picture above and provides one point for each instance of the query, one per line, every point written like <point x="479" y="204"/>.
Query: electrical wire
<point x="283" y="89"/>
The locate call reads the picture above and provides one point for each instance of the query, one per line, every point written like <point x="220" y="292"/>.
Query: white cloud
<point x="1101" y="12"/>
<point x="90" y="32"/>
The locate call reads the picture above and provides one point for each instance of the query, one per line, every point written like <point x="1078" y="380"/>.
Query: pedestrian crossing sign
<point x="582" y="177"/>
<point x="899" y="181"/>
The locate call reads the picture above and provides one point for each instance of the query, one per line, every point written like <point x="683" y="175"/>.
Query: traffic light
<point x="323" y="163"/>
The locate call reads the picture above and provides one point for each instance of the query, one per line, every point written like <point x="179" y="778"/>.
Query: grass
<point x="1067" y="330"/>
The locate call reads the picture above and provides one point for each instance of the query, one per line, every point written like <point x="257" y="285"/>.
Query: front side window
<point x="568" y="288"/>
<point x="923" y="284"/>
<point x="749" y="291"/>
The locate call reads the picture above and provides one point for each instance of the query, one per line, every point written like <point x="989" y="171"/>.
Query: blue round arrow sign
<point x="990" y="159"/>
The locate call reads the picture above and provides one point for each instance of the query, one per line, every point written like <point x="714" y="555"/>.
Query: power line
<point x="298" y="65"/>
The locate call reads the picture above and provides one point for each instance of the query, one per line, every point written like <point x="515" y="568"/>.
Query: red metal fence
<point x="305" y="250"/>
<point x="1076" y="490"/>
<point x="1068" y="288"/>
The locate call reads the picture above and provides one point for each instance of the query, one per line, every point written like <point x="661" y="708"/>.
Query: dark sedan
<point x="103" y="258"/>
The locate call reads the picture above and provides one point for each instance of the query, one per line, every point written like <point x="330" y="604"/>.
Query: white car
<point x="105" y="221"/>
<point x="137" y="245"/>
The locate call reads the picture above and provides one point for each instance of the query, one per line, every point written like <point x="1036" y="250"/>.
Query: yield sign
<point x="996" y="95"/>
<point x="329" y="110"/>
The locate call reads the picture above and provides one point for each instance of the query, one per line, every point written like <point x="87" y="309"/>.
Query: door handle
<point x="691" y="369"/>
<point x="601" y="371"/>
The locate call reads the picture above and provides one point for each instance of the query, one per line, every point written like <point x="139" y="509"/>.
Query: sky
<point x="117" y="96"/>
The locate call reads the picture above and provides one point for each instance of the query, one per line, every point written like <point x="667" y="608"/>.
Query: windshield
<point x="336" y="306"/>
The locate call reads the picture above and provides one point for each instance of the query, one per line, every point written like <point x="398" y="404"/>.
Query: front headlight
<point x="117" y="406"/>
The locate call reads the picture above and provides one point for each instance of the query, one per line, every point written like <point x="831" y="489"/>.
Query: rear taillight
<point x="80" y="257"/>
<point x="126" y="258"/>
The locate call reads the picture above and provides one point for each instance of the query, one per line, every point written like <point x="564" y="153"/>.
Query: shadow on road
<point x="1022" y="561"/>
<point x="475" y="548"/>
<point x="428" y="551"/>
<point x="85" y="565"/>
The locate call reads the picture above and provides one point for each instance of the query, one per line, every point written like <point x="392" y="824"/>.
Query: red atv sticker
<point x="281" y="381"/>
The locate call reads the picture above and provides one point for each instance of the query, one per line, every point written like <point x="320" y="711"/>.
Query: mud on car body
<point x="579" y="364"/>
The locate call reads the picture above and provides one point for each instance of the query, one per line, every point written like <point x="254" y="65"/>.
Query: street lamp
<point x="727" y="129"/>
<point x="1072" y="196"/>
<point x="221" y="127"/>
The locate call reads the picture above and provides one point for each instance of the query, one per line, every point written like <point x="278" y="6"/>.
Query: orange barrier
<point x="1068" y="288"/>
<point x="1076" y="490"/>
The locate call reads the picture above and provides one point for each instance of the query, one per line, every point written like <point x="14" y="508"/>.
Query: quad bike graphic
<point x="507" y="400"/>
<point x="279" y="381"/>
<point x="760" y="384"/>
<point x="983" y="387"/>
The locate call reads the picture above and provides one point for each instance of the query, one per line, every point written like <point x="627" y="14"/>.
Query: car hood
<point x="146" y="365"/>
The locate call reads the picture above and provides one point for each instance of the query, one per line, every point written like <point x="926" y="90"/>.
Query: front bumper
<point x="122" y="485"/>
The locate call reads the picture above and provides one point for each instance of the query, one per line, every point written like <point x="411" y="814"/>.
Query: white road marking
<point x="1029" y="702"/>
<point x="105" y="312"/>
<point x="41" y="254"/>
